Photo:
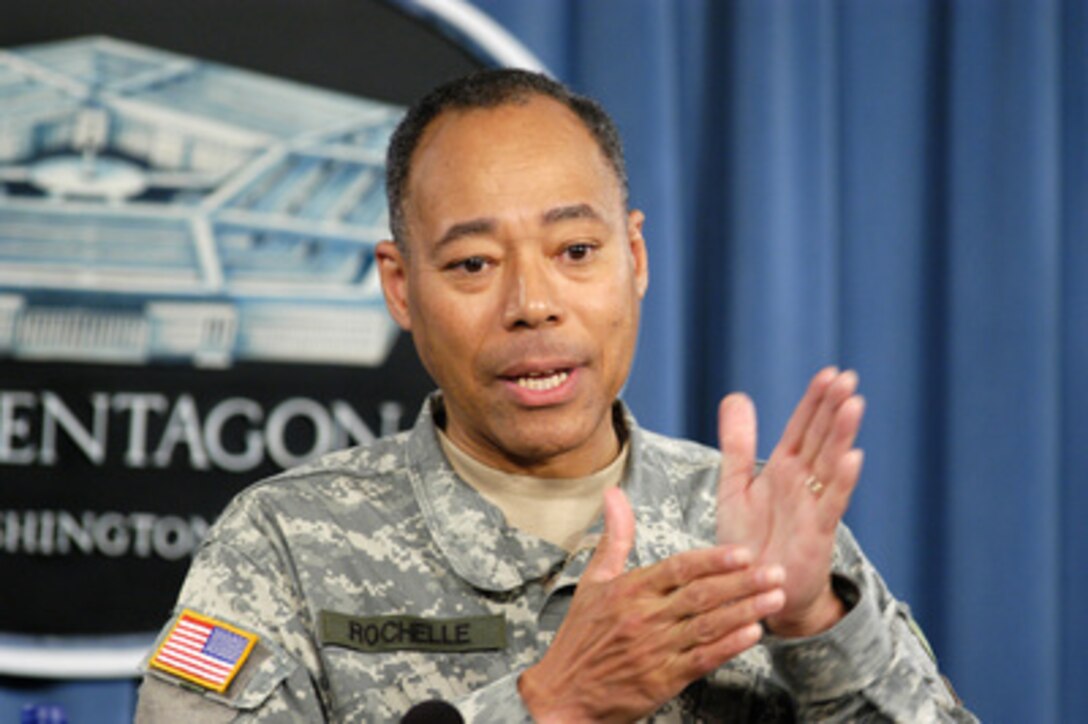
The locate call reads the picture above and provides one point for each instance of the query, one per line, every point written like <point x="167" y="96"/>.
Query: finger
<point x="681" y="569"/>
<point x="840" y="438"/>
<point x="793" y="435"/>
<point x="737" y="439"/>
<point x="721" y="621"/>
<point x="840" y="390"/>
<point x="713" y="592"/>
<point x="610" y="558"/>
<point x="701" y="660"/>
<point x="837" y="497"/>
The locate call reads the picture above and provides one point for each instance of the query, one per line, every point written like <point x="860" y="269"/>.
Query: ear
<point x="393" y="268"/>
<point x="637" y="245"/>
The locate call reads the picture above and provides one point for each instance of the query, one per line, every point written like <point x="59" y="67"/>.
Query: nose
<point x="531" y="299"/>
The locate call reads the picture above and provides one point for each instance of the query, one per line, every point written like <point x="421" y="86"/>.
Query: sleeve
<point x="239" y="578"/>
<point x="496" y="703"/>
<point x="874" y="664"/>
<point x="282" y="694"/>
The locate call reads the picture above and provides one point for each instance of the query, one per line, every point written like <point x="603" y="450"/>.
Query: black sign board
<point x="190" y="194"/>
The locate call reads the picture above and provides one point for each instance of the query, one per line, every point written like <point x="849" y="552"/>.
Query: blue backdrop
<point x="900" y="186"/>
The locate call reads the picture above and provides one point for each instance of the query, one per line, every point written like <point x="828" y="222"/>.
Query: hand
<point x="632" y="641"/>
<point x="784" y="515"/>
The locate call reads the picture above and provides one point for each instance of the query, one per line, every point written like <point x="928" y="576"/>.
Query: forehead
<point x="483" y="161"/>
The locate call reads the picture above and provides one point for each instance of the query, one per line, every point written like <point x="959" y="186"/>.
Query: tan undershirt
<point x="559" y="510"/>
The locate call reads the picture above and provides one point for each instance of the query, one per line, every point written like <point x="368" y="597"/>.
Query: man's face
<point x="521" y="286"/>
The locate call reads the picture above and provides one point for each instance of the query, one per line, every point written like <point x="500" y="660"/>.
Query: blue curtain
<point x="900" y="186"/>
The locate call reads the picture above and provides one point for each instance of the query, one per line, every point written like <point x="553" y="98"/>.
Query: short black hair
<point x="489" y="89"/>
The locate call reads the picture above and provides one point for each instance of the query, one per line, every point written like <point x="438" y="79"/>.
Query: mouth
<point x="541" y="381"/>
<point x="542" y="384"/>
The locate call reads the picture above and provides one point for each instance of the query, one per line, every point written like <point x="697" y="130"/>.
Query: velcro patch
<point x="203" y="651"/>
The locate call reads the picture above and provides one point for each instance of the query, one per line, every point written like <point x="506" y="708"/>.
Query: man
<point x="465" y="560"/>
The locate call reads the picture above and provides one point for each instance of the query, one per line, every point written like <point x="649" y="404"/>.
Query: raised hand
<point x="787" y="514"/>
<point x="633" y="640"/>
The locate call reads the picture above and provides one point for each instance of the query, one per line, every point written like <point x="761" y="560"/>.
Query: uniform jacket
<point x="375" y="579"/>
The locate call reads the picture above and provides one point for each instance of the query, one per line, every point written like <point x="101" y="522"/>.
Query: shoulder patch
<point x="204" y="651"/>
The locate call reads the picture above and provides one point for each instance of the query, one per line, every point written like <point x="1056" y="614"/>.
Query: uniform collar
<point x="482" y="549"/>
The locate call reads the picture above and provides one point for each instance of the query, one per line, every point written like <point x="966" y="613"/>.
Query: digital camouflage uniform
<point x="388" y="529"/>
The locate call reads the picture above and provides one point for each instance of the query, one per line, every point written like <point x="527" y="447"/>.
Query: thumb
<point x="737" y="439"/>
<point x="610" y="558"/>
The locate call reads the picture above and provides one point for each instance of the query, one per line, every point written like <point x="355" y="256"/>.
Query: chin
<point x="531" y="448"/>
<point x="542" y="444"/>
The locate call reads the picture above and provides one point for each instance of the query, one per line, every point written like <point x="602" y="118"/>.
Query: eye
<point x="470" y="265"/>
<point x="579" y="251"/>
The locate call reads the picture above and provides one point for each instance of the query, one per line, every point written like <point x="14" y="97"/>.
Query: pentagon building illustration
<point x="160" y="208"/>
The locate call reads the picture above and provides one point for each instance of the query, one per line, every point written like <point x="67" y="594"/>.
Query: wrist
<point x="823" y="613"/>
<point x="537" y="698"/>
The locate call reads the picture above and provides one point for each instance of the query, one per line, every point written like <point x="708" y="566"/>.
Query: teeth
<point x="546" y="382"/>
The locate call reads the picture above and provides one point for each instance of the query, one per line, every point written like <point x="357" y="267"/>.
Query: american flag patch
<point x="204" y="651"/>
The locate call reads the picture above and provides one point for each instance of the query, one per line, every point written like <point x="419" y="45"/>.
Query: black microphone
<point x="434" y="711"/>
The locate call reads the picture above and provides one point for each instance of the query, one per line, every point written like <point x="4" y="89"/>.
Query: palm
<point x="775" y="513"/>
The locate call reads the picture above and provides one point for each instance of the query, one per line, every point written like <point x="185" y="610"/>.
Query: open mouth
<point x="540" y="381"/>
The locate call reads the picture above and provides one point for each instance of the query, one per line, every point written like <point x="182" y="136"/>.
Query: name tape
<point x="413" y="633"/>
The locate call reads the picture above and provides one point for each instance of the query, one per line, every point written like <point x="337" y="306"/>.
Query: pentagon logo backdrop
<point x="190" y="195"/>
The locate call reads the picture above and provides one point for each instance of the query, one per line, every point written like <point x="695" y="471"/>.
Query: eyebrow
<point x="487" y="225"/>
<point x="568" y="213"/>
<point x="473" y="227"/>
